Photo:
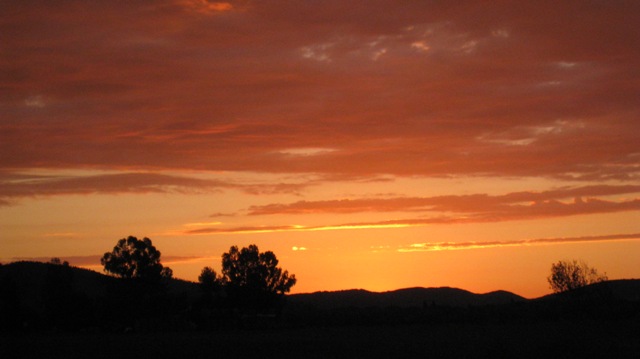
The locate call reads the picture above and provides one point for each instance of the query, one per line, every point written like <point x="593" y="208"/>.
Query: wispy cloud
<point x="205" y="6"/>
<point x="94" y="260"/>
<point x="16" y="185"/>
<point x="299" y="228"/>
<point x="583" y="197"/>
<point x="477" y="208"/>
<point x="448" y="246"/>
<point x="548" y="210"/>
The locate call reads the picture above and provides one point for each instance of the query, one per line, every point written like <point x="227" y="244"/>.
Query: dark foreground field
<point x="557" y="339"/>
<point x="53" y="311"/>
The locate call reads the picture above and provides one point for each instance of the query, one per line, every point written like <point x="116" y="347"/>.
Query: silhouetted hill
<point x="410" y="297"/>
<point x="619" y="290"/>
<point x="30" y="278"/>
<point x="42" y="296"/>
<point x="31" y="281"/>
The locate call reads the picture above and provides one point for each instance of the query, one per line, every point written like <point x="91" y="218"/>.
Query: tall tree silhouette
<point x="253" y="280"/>
<point x="141" y="298"/>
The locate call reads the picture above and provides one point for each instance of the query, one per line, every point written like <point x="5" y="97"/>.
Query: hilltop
<point x="30" y="279"/>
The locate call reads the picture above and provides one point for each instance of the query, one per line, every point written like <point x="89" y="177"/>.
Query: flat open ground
<point x="559" y="339"/>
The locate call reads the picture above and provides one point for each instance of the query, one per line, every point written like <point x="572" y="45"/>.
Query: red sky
<point x="361" y="141"/>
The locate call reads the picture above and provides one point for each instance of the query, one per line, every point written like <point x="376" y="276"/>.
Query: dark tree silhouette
<point x="133" y="258"/>
<point x="253" y="280"/>
<point x="142" y="299"/>
<point x="209" y="281"/>
<point x="166" y="273"/>
<point x="57" y="261"/>
<point x="566" y="276"/>
<point x="211" y="307"/>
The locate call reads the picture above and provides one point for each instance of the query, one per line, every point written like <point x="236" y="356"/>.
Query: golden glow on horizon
<point x="357" y="226"/>
<point x="205" y="6"/>
<point x="287" y="228"/>
<point x="201" y="224"/>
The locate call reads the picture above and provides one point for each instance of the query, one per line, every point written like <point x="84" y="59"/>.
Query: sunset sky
<point x="369" y="144"/>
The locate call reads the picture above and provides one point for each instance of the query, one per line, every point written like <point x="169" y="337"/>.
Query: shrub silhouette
<point x="566" y="276"/>
<point x="210" y="282"/>
<point x="253" y="280"/>
<point x="57" y="261"/>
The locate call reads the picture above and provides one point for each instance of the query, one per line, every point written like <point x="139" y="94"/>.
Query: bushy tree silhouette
<point x="253" y="280"/>
<point x="209" y="280"/>
<point x="211" y="308"/>
<point x="141" y="298"/>
<point x="566" y="276"/>
<point x="133" y="258"/>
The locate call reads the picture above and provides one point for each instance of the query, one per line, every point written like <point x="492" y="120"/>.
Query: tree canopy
<point x="209" y="280"/>
<point x="133" y="258"/>
<point x="566" y="276"/>
<point x="253" y="279"/>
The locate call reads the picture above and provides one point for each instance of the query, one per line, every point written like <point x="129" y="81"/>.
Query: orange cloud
<point x="584" y="200"/>
<point x="297" y="228"/>
<point x="205" y="6"/>
<point x="132" y="85"/>
<point x="547" y="209"/>
<point x="478" y="208"/>
<point x="445" y="246"/>
<point x="19" y="185"/>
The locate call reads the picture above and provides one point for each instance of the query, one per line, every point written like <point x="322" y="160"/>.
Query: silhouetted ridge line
<point x="43" y="296"/>
<point x="618" y="289"/>
<point x="408" y="297"/>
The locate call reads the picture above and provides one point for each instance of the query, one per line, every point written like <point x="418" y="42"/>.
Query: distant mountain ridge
<point x="40" y="297"/>
<point x="408" y="297"/>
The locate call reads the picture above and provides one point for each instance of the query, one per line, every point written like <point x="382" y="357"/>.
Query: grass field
<point x="558" y="339"/>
